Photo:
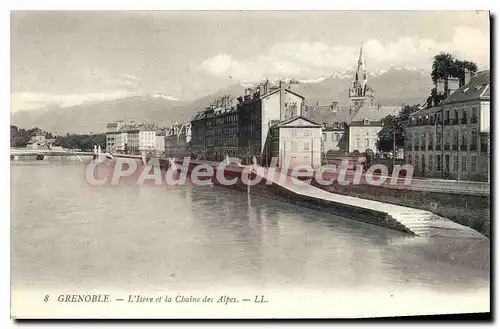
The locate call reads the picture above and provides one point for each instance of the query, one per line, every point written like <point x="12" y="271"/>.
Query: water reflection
<point x="195" y="237"/>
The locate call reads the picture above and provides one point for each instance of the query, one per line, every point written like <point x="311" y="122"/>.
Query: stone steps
<point x="417" y="221"/>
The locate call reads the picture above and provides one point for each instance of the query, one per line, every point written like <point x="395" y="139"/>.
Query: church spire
<point x="360" y="82"/>
<point x="360" y="60"/>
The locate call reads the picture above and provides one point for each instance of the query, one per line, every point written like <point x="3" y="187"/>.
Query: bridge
<point x="26" y="152"/>
<point x="16" y="154"/>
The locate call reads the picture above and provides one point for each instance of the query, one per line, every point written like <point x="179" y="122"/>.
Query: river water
<point x="67" y="233"/>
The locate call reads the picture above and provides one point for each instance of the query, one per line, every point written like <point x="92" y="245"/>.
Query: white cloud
<point x="27" y="101"/>
<point x="306" y="60"/>
<point x="131" y="77"/>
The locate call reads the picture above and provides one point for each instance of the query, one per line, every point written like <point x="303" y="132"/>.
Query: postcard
<point x="249" y="164"/>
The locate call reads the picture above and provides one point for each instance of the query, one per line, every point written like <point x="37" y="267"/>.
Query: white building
<point x="363" y="135"/>
<point x="296" y="141"/>
<point x="278" y="104"/>
<point x="142" y="140"/>
<point x="452" y="140"/>
<point x="132" y="137"/>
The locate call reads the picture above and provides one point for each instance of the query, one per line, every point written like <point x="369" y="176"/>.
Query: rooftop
<point x="343" y="113"/>
<point x="477" y="89"/>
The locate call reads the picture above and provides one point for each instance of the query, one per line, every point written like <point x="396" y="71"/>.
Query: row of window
<point x="367" y="143"/>
<point x="226" y="141"/>
<point x="335" y="137"/>
<point x="226" y="119"/>
<point x="450" y="117"/>
<point x="433" y="163"/>
<point x="451" y="138"/>
<point x="306" y="146"/>
<point x="226" y="131"/>
<point x="301" y="133"/>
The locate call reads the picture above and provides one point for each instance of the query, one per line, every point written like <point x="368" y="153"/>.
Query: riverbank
<point x="291" y="190"/>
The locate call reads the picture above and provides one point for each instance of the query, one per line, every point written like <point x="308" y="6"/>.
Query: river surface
<point x="67" y="233"/>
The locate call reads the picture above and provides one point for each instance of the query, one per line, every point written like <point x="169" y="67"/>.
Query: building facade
<point x="332" y="136"/>
<point x="295" y="142"/>
<point x="39" y="141"/>
<point x="363" y="135"/>
<point x="132" y="137"/>
<point x="452" y="140"/>
<point x="240" y="127"/>
<point x="177" y="140"/>
<point x="142" y="140"/>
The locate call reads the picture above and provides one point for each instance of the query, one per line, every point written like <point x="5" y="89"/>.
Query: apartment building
<point x="452" y="140"/>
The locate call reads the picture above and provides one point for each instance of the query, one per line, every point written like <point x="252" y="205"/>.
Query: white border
<point x="179" y="5"/>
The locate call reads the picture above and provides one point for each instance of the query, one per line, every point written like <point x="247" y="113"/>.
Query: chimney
<point x="282" y="100"/>
<point x="440" y="86"/>
<point x="334" y="106"/>
<point x="453" y="85"/>
<point x="467" y="76"/>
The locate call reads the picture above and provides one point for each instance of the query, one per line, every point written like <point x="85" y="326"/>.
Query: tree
<point x="369" y="156"/>
<point x="343" y="143"/>
<point x="19" y="137"/>
<point x="395" y="126"/>
<point x="443" y="67"/>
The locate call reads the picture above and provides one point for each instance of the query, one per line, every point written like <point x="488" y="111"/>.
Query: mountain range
<point x="396" y="86"/>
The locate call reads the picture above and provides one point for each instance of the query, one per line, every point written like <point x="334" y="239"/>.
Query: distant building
<point x="39" y="141"/>
<point x="132" y="137"/>
<point x="177" y="141"/>
<point x="332" y="136"/>
<point x="296" y="141"/>
<point x="363" y="135"/>
<point x="362" y="116"/>
<point x="142" y="140"/>
<point x="116" y="137"/>
<point x="452" y="140"/>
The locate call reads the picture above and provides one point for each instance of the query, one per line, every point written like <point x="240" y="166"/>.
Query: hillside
<point x="394" y="87"/>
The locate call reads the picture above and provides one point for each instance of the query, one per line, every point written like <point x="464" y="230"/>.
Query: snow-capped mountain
<point x="166" y="97"/>
<point x="395" y="86"/>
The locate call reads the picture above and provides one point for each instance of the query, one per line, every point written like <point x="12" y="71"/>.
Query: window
<point x="474" y="115"/>
<point x="464" y="163"/>
<point x="438" y="162"/>
<point x="431" y="167"/>
<point x="410" y="160"/>
<point x="307" y="133"/>
<point x="357" y="143"/>
<point x="294" y="145"/>
<point x="455" y="138"/>
<point x="473" y="163"/>
<point x="337" y="136"/>
<point x="294" y="132"/>
<point x="306" y="146"/>
<point x="473" y="141"/>
<point x="367" y="143"/>
<point x="324" y="137"/>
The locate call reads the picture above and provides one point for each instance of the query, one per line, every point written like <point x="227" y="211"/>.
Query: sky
<point x="65" y="58"/>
